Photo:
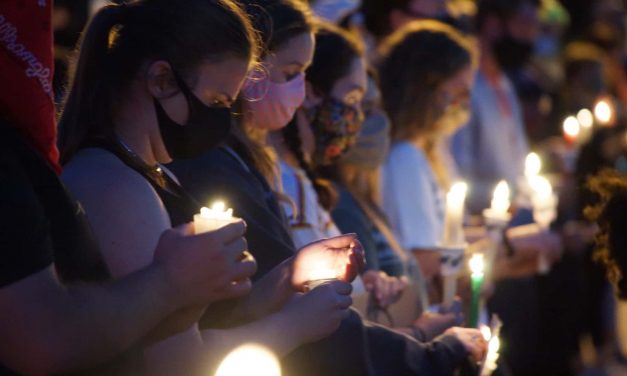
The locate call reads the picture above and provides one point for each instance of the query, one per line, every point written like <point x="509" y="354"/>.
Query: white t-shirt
<point x="412" y="198"/>
<point x="310" y="222"/>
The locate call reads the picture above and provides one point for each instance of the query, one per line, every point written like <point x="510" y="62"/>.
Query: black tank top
<point x="179" y="205"/>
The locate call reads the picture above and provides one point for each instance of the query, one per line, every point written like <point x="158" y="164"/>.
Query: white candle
<point x="543" y="200"/>
<point x="533" y="165"/>
<point x="213" y="218"/>
<point x="454" y="216"/>
<point x="585" y="118"/>
<point x="500" y="200"/>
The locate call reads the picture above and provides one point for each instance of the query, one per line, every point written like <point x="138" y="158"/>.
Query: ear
<point x="312" y="99"/>
<point x="160" y="82"/>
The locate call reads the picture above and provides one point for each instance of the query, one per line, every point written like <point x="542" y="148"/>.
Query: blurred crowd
<point x="428" y="132"/>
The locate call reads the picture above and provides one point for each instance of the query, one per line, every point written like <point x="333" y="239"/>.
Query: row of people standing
<point x="154" y="82"/>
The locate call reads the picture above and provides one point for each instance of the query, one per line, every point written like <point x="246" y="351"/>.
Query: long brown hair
<point x="417" y="60"/>
<point x="120" y="39"/>
<point x="277" y="21"/>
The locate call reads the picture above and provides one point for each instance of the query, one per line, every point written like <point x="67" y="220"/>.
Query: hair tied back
<point x="118" y="16"/>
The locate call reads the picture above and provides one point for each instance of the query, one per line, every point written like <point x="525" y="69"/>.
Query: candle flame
<point x="571" y="127"/>
<point x="217" y="211"/>
<point x="476" y="264"/>
<point x="533" y="164"/>
<point x="501" y="192"/>
<point x="218" y="206"/>
<point x="486" y="332"/>
<point x="494" y="345"/>
<point x="250" y="359"/>
<point x="585" y="118"/>
<point x="603" y="111"/>
<point x="460" y="188"/>
<point x="458" y="191"/>
<point x="322" y="273"/>
<point x="541" y="186"/>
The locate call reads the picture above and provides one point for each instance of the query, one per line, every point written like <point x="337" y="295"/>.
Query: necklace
<point x="154" y="172"/>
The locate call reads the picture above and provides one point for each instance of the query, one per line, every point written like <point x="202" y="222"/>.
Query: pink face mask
<point x="273" y="105"/>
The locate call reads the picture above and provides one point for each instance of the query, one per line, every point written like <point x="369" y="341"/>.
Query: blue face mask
<point x="206" y="127"/>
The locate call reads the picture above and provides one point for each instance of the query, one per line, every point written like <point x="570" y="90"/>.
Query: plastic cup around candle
<point x="451" y="264"/>
<point x="319" y="275"/>
<point x="310" y="285"/>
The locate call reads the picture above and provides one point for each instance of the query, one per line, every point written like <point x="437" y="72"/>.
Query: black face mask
<point x="206" y="127"/>
<point x="512" y="53"/>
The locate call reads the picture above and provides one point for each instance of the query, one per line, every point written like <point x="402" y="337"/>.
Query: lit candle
<point x="320" y="274"/>
<point x="585" y="118"/>
<point x="454" y="216"/>
<point x="603" y="112"/>
<point x="571" y="129"/>
<point x="544" y="203"/>
<point x="213" y="218"/>
<point x="250" y="359"/>
<point x="491" y="335"/>
<point x="533" y="165"/>
<point x="543" y="200"/>
<point x="476" y="268"/>
<point x="494" y="345"/>
<point x="500" y="201"/>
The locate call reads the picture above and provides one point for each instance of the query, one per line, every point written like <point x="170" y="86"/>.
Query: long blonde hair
<point x="417" y="61"/>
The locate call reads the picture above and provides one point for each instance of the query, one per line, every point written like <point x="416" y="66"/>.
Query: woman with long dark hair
<point x="154" y="81"/>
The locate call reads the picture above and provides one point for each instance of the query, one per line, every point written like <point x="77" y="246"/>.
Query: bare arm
<point x="47" y="328"/>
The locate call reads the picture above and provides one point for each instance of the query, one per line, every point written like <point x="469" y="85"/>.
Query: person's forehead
<point x="299" y="49"/>
<point x="223" y="76"/>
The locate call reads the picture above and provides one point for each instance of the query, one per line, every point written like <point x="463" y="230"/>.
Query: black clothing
<point x="179" y="205"/>
<point x="220" y="175"/>
<point x="41" y="223"/>
<point x="357" y="347"/>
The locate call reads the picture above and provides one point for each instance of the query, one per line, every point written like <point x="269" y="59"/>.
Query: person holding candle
<point x="322" y="131"/>
<point x="356" y="177"/>
<point x="493" y="145"/>
<point x="60" y="311"/>
<point x="426" y="76"/>
<point x="166" y="86"/>
<point x="239" y="174"/>
<point x="426" y="106"/>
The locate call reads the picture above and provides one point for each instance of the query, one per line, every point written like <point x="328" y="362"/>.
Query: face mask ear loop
<point x="185" y="89"/>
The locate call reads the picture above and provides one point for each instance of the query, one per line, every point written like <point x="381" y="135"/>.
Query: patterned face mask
<point x="335" y="126"/>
